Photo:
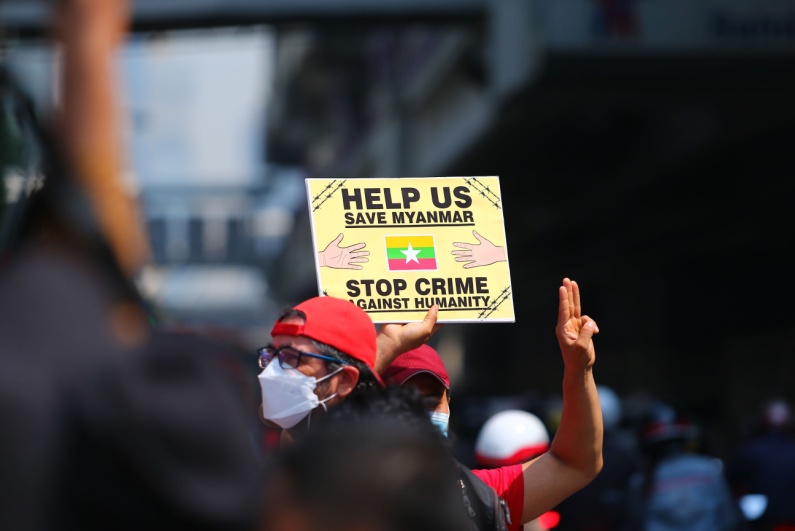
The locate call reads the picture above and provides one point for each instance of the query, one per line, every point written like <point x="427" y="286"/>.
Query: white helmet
<point x="510" y="437"/>
<point x="611" y="407"/>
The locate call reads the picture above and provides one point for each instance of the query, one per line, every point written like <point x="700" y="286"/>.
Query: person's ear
<point x="348" y="378"/>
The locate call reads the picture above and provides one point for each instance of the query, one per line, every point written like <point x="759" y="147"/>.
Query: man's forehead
<point x="281" y="340"/>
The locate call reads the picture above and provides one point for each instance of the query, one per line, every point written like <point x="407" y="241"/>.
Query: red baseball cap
<point x="337" y="323"/>
<point x="421" y="359"/>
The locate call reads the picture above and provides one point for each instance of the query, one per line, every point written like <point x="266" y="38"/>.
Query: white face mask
<point x="289" y="395"/>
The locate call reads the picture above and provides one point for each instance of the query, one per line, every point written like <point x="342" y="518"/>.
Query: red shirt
<point x="509" y="484"/>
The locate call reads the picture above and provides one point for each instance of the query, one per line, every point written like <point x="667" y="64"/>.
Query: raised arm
<point x="90" y="32"/>
<point x="575" y="456"/>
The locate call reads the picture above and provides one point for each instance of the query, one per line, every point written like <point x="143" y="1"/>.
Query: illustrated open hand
<point x="574" y="331"/>
<point x="478" y="254"/>
<point x="338" y="257"/>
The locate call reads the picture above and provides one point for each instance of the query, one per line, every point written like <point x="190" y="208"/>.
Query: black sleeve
<point x="165" y="438"/>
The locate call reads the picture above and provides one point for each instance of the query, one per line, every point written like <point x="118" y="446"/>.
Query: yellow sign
<point x="395" y="247"/>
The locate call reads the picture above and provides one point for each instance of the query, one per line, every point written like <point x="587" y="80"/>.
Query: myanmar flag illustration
<point x="410" y="253"/>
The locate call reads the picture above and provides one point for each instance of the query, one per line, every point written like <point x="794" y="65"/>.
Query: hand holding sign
<point x="338" y="257"/>
<point x="395" y="339"/>
<point x="478" y="254"/>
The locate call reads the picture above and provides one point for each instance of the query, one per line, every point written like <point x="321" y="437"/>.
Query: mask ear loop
<point x="329" y="375"/>
<point x="322" y="402"/>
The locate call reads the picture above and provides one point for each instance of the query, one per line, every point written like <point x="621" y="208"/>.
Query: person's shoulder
<point x="499" y="478"/>
<point x="50" y="281"/>
<point x="489" y="492"/>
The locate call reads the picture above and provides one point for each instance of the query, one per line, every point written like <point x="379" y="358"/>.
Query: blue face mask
<point x="441" y="421"/>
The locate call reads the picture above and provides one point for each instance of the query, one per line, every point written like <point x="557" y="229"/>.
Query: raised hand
<point x="109" y="18"/>
<point x="395" y="339"/>
<point x="478" y="254"/>
<point x="575" y="455"/>
<point x="337" y="257"/>
<point x="574" y="330"/>
<point x="90" y="32"/>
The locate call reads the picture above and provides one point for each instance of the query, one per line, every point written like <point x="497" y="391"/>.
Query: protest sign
<point x="395" y="247"/>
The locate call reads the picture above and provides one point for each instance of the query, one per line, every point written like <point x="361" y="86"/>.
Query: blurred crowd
<point x="111" y="422"/>
<point x="659" y="471"/>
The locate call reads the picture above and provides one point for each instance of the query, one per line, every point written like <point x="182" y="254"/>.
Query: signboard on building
<point x="689" y="26"/>
<point x="395" y="247"/>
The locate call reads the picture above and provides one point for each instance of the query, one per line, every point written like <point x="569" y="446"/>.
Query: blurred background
<point x="644" y="149"/>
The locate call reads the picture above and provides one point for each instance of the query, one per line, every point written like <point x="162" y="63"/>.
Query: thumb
<point x="429" y="325"/>
<point x="477" y="236"/>
<point x="430" y="318"/>
<point x="586" y="333"/>
<point x="338" y="239"/>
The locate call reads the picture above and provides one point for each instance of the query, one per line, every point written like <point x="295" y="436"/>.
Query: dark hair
<point x="376" y="461"/>
<point x="404" y="404"/>
<point x="367" y="381"/>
